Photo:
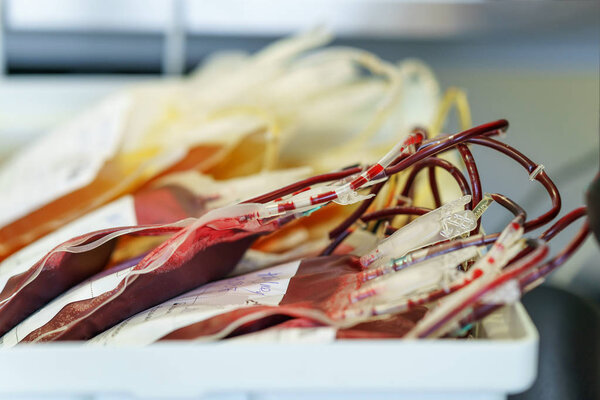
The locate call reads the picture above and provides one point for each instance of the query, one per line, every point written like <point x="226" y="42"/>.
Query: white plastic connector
<point x="536" y="172"/>
<point x="507" y="293"/>
<point x="446" y="222"/>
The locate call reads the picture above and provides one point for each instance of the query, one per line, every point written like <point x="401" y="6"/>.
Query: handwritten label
<point x="265" y="287"/>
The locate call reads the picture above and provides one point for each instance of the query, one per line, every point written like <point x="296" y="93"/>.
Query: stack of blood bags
<point x="193" y="226"/>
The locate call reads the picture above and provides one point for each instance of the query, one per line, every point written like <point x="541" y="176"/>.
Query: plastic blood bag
<point x="24" y="288"/>
<point x="206" y="250"/>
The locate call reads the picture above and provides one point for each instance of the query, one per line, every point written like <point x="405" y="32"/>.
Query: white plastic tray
<point x="502" y="360"/>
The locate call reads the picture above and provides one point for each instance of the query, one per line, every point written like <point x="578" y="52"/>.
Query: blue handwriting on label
<point x="264" y="287"/>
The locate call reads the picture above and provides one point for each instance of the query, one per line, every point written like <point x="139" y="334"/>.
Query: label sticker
<point x="66" y="159"/>
<point x="264" y="287"/>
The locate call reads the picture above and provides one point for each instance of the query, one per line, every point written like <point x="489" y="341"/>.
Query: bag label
<point x="66" y="159"/>
<point x="264" y="287"/>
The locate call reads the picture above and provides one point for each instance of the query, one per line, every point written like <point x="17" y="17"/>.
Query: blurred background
<point x="535" y="63"/>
